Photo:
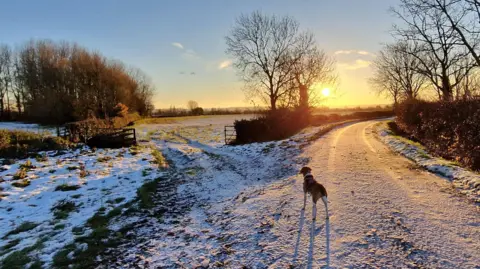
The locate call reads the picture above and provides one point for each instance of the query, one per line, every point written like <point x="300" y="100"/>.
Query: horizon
<point x="183" y="51"/>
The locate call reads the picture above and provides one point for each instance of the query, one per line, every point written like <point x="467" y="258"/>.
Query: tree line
<point x="279" y="63"/>
<point x="57" y="82"/>
<point x="435" y="54"/>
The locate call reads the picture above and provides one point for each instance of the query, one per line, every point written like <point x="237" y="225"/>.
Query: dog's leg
<point x="314" y="211"/>
<point x="304" y="200"/>
<point x="325" y="202"/>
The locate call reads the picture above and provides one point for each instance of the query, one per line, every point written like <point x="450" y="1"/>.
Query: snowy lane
<point x="385" y="212"/>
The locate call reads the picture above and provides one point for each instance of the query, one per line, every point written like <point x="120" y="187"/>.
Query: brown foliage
<point x="63" y="82"/>
<point x="449" y="129"/>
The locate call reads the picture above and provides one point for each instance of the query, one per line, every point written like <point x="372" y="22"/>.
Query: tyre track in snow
<point x="170" y="235"/>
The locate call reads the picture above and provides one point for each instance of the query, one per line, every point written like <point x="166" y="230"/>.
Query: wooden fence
<point x="110" y="137"/>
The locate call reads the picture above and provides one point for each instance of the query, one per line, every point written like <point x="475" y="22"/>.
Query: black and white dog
<point x="315" y="189"/>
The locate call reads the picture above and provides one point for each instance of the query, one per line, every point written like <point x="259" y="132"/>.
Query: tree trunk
<point x="303" y="92"/>
<point x="273" y="103"/>
<point x="446" y="89"/>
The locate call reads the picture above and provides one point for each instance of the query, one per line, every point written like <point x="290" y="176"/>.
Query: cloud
<point x="224" y="64"/>
<point x="361" y="52"/>
<point x="358" y="64"/>
<point x="178" y="45"/>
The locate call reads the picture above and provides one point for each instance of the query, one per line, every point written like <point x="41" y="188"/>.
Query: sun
<point x="326" y="92"/>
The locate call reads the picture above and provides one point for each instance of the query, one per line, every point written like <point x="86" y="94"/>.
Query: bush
<point x="21" y="144"/>
<point x="271" y="126"/>
<point x="83" y="130"/>
<point x="449" y="129"/>
<point x="120" y="110"/>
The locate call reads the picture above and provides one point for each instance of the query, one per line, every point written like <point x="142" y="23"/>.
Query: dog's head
<point x="305" y="170"/>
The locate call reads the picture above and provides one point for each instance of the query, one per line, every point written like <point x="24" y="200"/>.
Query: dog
<point x="315" y="189"/>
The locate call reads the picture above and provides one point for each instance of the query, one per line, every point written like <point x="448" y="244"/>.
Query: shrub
<point x="449" y="129"/>
<point x="120" y="110"/>
<point x="276" y="125"/>
<point x="85" y="129"/>
<point x="20" y="174"/>
<point x="21" y="183"/>
<point x="27" y="165"/>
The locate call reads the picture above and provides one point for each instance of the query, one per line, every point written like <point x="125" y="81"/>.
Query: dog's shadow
<point x="313" y="233"/>
<point x="299" y="235"/>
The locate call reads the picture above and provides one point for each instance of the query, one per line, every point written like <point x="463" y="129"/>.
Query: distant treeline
<point x="56" y="82"/>
<point x="179" y="112"/>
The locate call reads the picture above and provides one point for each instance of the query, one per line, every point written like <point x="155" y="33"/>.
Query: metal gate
<point x="230" y="135"/>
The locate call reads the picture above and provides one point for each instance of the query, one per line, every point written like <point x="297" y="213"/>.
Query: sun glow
<point x="326" y="92"/>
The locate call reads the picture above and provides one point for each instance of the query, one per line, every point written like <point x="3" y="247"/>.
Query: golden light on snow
<point x="326" y="92"/>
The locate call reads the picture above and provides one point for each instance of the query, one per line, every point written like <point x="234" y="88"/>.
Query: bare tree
<point x="191" y="105"/>
<point x="313" y="66"/>
<point x="434" y="43"/>
<point x="396" y="72"/>
<point x="463" y="17"/>
<point x="384" y="85"/>
<point x="264" y="48"/>
<point x="6" y="78"/>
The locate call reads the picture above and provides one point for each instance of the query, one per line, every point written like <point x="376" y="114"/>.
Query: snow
<point x="466" y="181"/>
<point x="239" y="207"/>
<point x="117" y="177"/>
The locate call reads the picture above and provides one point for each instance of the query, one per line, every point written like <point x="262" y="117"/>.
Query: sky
<point x="180" y="44"/>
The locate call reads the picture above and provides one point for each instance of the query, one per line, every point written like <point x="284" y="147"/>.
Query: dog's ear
<point x="305" y="170"/>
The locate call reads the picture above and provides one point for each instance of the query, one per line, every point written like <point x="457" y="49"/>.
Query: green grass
<point x="194" y="171"/>
<point x="116" y="200"/>
<point x="145" y="193"/>
<point x="76" y="196"/>
<point x="41" y="157"/>
<point x="10" y="244"/>
<point x="59" y="227"/>
<point x="98" y="241"/>
<point x="24" y="227"/>
<point x="21" y="144"/>
<point x="268" y="148"/>
<point x="63" y="208"/>
<point x="18" y="259"/>
<point x="67" y="187"/>
<point x="166" y="120"/>
<point x="22" y="183"/>
<point x="104" y="159"/>
<point x="159" y="159"/>
<point x="134" y="150"/>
